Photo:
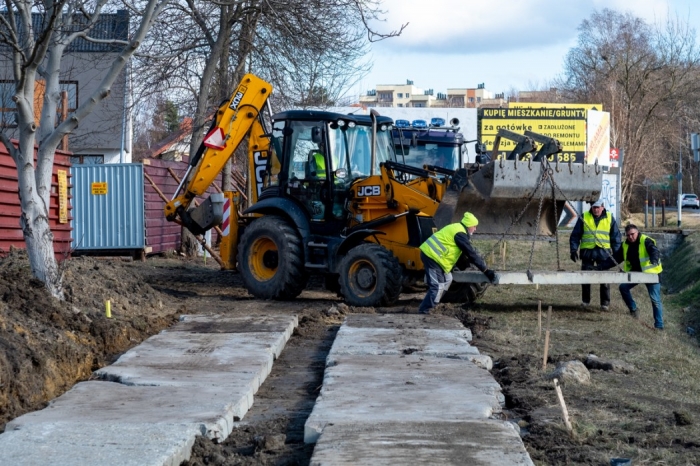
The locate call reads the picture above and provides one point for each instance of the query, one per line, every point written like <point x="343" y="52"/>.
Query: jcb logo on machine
<point x="260" y="162"/>
<point x="365" y="191"/>
<point x="237" y="98"/>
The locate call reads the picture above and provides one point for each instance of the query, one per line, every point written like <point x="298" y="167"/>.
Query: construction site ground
<point x="649" y="411"/>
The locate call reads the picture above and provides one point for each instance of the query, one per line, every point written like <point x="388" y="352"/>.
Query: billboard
<point x="565" y="122"/>
<point x="598" y="143"/>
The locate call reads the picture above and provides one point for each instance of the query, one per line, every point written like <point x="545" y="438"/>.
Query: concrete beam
<point x="592" y="277"/>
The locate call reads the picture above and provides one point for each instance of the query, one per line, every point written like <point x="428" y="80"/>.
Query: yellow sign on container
<point x="99" y="188"/>
<point x="62" y="196"/>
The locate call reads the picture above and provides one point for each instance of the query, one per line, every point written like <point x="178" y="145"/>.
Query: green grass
<point x="615" y="407"/>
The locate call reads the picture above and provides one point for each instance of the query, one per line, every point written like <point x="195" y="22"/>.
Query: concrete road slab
<point x="474" y="443"/>
<point x="558" y="278"/>
<point x="215" y="323"/>
<point x="197" y="378"/>
<point x="406" y="321"/>
<point x="213" y="410"/>
<point x="68" y="443"/>
<point x="182" y="357"/>
<point x="402" y="388"/>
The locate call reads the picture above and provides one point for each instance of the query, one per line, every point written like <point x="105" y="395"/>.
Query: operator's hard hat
<point x="599" y="203"/>
<point x="469" y="220"/>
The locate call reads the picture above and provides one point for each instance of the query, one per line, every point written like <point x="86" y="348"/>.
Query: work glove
<point x="574" y="256"/>
<point x="491" y="275"/>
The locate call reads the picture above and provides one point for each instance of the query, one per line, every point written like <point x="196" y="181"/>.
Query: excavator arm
<point x="236" y="118"/>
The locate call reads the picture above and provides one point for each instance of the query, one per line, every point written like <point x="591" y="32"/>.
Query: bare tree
<point x="37" y="54"/>
<point x="201" y="49"/>
<point x="646" y="76"/>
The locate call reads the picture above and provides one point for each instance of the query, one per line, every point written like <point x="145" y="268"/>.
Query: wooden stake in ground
<point x="503" y="255"/>
<point x="564" y="412"/>
<point x="546" y="339"/>
<point x="539" y="319"/>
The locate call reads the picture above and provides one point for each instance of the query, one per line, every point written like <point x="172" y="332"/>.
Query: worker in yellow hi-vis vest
<point x="441" y="252"/>
<point x="598" y="236"/>
<point x="640" y="254"/>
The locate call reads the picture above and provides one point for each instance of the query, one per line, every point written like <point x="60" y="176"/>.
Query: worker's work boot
<point x="604" y="307"/>
<point x="634" y="314"/>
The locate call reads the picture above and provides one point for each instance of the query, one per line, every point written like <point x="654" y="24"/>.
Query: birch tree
<point x="35" y="36"/>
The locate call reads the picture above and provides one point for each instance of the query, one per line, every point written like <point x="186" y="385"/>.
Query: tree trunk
<point x="39" y="241"/>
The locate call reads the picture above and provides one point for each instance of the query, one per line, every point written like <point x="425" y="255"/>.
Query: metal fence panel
<point x="108" y="206"/>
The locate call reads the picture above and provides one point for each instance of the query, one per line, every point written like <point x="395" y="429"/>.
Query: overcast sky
<point x="504" y="44"/>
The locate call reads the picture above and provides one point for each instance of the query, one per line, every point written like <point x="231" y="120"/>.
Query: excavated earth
<point x="47" y="345"/>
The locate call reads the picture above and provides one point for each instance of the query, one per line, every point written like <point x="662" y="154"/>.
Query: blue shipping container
<point x="108" y="206"/>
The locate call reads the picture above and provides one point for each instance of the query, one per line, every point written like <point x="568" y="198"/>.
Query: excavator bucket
<point x="505" y="197"/>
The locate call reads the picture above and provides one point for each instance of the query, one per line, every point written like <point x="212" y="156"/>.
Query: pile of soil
<point x="47" y="345"/>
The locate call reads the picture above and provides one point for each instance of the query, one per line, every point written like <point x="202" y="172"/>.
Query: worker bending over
<point x="441" y="252"/>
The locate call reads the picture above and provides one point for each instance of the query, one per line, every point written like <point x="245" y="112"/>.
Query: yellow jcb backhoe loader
<point x="326" y="196"/>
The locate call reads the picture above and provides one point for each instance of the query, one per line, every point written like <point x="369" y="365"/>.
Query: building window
<point x="87" y="159"/>
<point x="478" y="99"/>
<point x="408" y="95"/>
<point x="418" y="104"/>
<point x="400" y="105"/>
<point x="7" y="105"/>
<point x="71" y="88"/>
<point x="8" y="109"/>
<point x="471" y="100"/>
<point x="400" y="95"/>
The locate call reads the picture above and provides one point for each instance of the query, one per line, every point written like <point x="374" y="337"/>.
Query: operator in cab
<point x="441" y="252"/>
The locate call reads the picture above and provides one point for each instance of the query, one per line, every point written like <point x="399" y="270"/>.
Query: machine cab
<point x="321" y="154"/>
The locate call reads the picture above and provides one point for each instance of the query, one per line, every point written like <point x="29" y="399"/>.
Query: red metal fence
<point x="162" y="235"/>
<point x="10" y="210"/>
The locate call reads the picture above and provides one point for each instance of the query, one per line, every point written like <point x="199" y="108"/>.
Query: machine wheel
<point x="370" y="275"/>
<point x="464" y="293"/>
<point x="271" y="259"/>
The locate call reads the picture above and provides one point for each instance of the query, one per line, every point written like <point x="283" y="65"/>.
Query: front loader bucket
<point x="505" y="197"/>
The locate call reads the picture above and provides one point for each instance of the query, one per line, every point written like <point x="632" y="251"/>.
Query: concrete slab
<point x="424" y="342"/>
<point x="213" y="410"/>
<point x="402" y="388"/>
<point x="216" y="323"/>
<point x="183" y="356"/>
<point x="396" y="391"/>
<point x="68" y="443"/>
<point x="557" y="278"/>
<point x="197" y="378"/>
<point x="431" y="335"/>
<point x="406" y="321"/>
<point x="479" y="442"/>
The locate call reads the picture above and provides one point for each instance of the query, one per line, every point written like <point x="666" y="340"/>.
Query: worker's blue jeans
<point x="654" y="290"/>
<point x="438" y="282"/>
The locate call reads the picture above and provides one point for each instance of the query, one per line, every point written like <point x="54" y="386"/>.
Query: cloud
<point x="471" y="27"/>
<point x="503" y="43"/>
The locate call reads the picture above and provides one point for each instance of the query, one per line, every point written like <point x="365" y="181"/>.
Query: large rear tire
<point x="370" y="276"/>
<point x="271" y="259"/>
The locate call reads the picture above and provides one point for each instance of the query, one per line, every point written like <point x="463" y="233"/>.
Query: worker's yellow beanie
<point x="469" y="220"/>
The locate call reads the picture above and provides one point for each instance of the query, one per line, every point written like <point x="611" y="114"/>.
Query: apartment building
<point x="408" y="95"/>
